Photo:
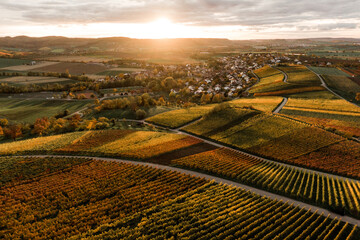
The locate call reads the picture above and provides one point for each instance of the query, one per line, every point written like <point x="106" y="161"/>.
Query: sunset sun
<point x="164" y="28"/>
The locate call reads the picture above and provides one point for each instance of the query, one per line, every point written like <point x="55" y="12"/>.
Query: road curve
<point x="282" y="104"/>
<point x="222" y="181"/>
<point x="323" y="83"/>
<point x="285" y="79"/>
<point x="218" y="144"/>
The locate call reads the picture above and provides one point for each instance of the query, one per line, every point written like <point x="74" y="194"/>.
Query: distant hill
<point x="30" y="43"/>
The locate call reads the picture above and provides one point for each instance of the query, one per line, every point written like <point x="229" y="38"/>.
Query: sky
<point x="232" y="19"/>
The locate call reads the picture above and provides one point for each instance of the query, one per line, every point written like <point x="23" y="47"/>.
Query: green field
<point x="343" y="86"/>
<point x="328" y="71"/>
<point x="8" y="62"/>
<point x="27" y="111"/>
<point x="26" y="80"/>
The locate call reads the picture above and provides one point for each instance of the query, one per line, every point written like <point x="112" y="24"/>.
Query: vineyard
<point x="340" y="158"/>
<point x="114" y="143"/>
<point x="220" y="121"/>
<point x="328" y="71"/>
<point x="296" y="143"/>
<point x="271" y="81"/>
<point x="28" y="110"/>
<point x="342" y="85"/>
<point x="223" y="212"/>
<point x="251" y="131"/>
<point x="180" y="117"/>
<point x="268" y="75"/>
<point x="142" y="145"/>
<point x="300" y="75"/>
<point x="337" y="109"/>
<point x="342" y="196"/>
<point x="15" y="170"/>
<point x="40" y="144"/>
<point x="349" y="128"/>
<point x="265" y="104"/>
<point x="81" y="197"/>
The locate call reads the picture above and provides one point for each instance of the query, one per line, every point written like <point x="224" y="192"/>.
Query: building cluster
<point x="228" y="75"/>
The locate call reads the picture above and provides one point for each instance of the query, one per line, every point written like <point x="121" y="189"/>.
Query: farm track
<point x="286" y="77"/>
<point x="222" y="181"/>
<point x="220" y="145"/>
<point x="323" y="83"/>
<point x="282" y="104"/>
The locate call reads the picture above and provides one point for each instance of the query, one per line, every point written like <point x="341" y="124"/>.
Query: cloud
<point x="304" y="15"/>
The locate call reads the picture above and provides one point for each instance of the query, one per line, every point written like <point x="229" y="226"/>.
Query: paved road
<point x="218" y="144"/>
<point x="224" y="181"/>
<point x="323" y="83"/>
<point x="280" y="107"/>
<point x="285" y="79"/>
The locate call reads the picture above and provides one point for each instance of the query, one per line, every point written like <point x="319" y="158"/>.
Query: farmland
<point x="223" y="212"/>
<point x="265" y="104"/>
<point x="160" y="195"/>
<point x="343" y="85"/>
<point x="268" y="75"/>
<point x="337" y="109"/>
<point x="101" y="199"/>
<point x="342" y="158"/>
<point x="180" y="117"/>
<point x="5" y="62"/>
<point x="251" y="131"/>
<point x="28" y="110"/>
<point x="119" y="70"/>
<point x="300" y="75"/>
<point x="349" y="127"/>
<point x="114" y="143"/>
<point x="329" y="192"/>
<point x="25" y="80"/>
<point x="29" y="67"/>
<point x="300" y="79"/>
<point x="203" y="110"/>
<point x="328" y="71"/>
<point x="298" y="142"/>
<point x="73" y="68"/>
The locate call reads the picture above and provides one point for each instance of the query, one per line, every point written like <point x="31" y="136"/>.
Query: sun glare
<point x="164" y="28"/>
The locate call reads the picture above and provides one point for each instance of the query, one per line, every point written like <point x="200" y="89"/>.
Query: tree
<point x="140" y="114"/>
<point x="357" y="98"/>
<point x="41" y="125"/>
<point x="13" y="131"/>
<point x="3" y="122"/>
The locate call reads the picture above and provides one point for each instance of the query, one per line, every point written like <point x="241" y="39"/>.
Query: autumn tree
<point x="4" y="122"/>
<point x="140" y="114"/>
<point x="357" y="98"/>
<point x="41" y="126"/>
<point x="13" y="131"/>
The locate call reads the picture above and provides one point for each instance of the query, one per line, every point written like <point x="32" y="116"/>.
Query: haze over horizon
<point x="235" y="20"/>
